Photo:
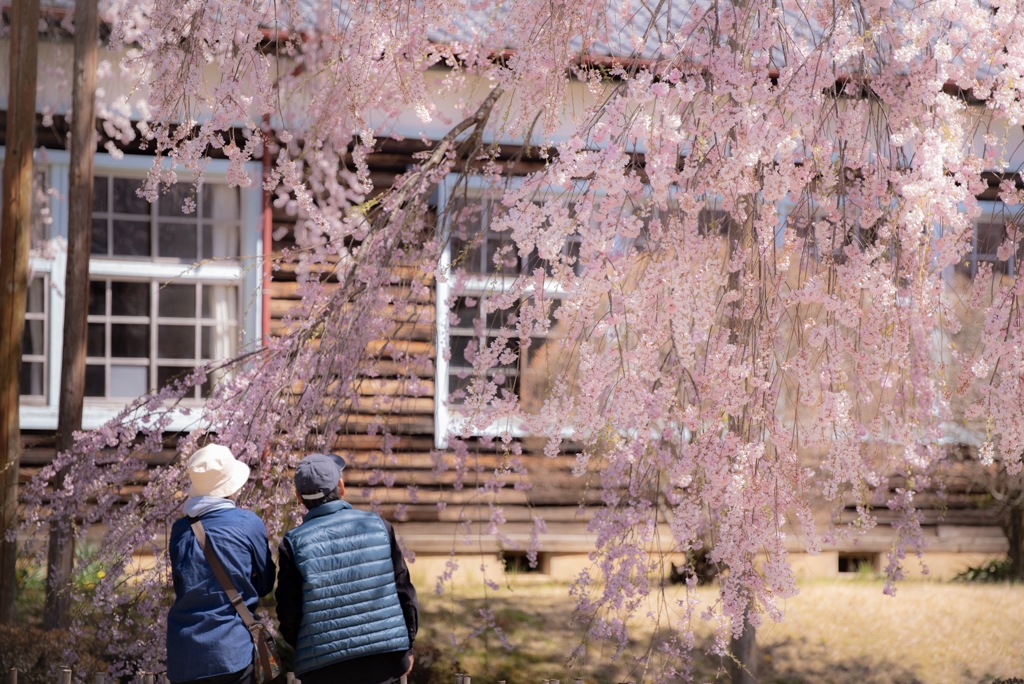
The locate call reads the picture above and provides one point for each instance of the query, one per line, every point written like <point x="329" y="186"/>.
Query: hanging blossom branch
<point x="765" y="204"/>
<point x="736" y="374"/>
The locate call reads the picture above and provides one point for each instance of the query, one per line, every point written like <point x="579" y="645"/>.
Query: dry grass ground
<point x="842" y="632"/>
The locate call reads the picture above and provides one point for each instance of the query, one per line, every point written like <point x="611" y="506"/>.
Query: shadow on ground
<point x="802" y="661"/>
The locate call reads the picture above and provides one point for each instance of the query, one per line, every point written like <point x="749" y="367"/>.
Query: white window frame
<point x="247" y="273"/>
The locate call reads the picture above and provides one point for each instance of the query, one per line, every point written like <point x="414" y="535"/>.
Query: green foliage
<point x="88" y="570"/>
<point x="999" y="570"/>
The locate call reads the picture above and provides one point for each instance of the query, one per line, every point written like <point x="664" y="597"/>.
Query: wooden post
<point x="14" y="675"/>
<point x="76" y="304"/>
<point x="100" y="678"/>
<point x="15" y="234"/>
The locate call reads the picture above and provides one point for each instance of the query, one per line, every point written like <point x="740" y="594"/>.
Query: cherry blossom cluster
<point x="762" y="310"/>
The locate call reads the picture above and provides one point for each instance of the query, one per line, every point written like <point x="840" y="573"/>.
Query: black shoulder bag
<point x="266" y="661"/>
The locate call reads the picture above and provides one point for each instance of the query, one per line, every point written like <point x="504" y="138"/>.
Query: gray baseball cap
<point x="317" y="475"/>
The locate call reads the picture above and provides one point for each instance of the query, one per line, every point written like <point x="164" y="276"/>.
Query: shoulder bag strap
<point x="222" y="575"/>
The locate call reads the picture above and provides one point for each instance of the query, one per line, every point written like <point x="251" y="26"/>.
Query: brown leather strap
<point x="222" y="575"/>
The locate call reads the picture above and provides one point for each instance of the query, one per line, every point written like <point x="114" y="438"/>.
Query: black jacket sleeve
<point x="403" y="583"/>
<point x="263" y="569"/>
<point x="288" y="594"/>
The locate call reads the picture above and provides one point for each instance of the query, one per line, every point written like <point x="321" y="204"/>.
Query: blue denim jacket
<point x="205" y="635"/>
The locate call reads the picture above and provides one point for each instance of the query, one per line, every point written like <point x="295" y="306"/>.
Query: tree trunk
<point x="60" y="557"/>
<point x="743" y="666"/>
<point x="14" y="245"/>
<point x="1013" y="526"/>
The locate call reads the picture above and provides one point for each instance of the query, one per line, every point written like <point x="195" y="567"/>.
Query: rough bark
<point x="743" y="669"/>
<point x="60" y="560"/>
<point x="1013" y="526"/>
<point x="14" y="246"/>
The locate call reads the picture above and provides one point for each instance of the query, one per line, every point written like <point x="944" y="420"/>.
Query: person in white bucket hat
<point x="216" y="472"/>
<point x="207" y="642"/>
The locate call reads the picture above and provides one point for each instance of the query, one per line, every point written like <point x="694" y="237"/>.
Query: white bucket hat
<point x="215" y="471"/>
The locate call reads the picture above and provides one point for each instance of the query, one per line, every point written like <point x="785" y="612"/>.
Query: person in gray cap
<point x="345" y="601"/>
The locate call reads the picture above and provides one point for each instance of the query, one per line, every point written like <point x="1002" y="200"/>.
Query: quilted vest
<point x="350" y="606"/>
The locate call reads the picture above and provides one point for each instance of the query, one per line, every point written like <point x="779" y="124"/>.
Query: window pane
<point x="32" y="341"/>
<point x="97" y="340"/>
<point x="458" y="346"/>
<point x="533" y="261"/>
<point x="99" y="236"/>
<point x="220" y="241"/>
<point x="171" y="202"/>
<point x="128" y="381"/>
<point x="572" y="253"/>
<point x="126" y="198"/>
<point x="166" y="374"/>
<point x="131" y="238"/>
<point x="219" y="302"/>
<point x="502" y="256"/>
<point x="97" y="297"/>
<point x="32" y="379"/>
<point x="35" y="301"/>
<point x="177" y="241"/>
<point x="457" y="386"/>
<point x="99" y="194"/>
<point x="499" y="320"/>
<point x="177" y="301"/>
<point x="95" y="383"/>
<point x="466" y="256"/>
<point x="221" y="202"/>
<point x="129" y="299"/>
<point x="990" y="237"/>
<point x="509" y="381"/>
<point x="176" y="342"/>
<point x="129" y="340"/>
<point x="465" y="309"/>
<point x="218" y="341"/>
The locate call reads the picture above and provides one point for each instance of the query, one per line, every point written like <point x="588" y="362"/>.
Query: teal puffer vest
<point x="349" y="604"/>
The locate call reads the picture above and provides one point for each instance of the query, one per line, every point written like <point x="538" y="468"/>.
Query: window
<point x="143" y="334"/>
<point x="473" y="327"/>
<point x="857" y="563"/>
<point x="989" y="234"/>
<point x="469" y="322"/>
<point x="126" y="225"/>
<point x="34" y="342"/>
<point x="518" y="563"/>
<point x="172" y="286"/>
